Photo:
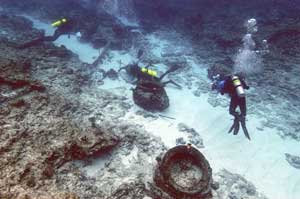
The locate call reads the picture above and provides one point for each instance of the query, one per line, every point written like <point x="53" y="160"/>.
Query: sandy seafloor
<point x="261" y="160"/>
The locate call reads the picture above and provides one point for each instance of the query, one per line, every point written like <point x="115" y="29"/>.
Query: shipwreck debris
<point x="151" y="96"/>
<point x="183" y="172"/>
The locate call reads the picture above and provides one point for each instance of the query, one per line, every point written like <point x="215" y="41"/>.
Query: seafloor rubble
<point x="50" y="120"/>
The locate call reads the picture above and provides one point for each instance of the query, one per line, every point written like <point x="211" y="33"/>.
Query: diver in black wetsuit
<point x="64" y="26"/>
<point x="234" y="85"/>
<point x="146" y="74"/>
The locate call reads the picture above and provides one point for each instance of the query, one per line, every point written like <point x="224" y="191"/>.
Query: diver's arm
<point x="245" y="85"/>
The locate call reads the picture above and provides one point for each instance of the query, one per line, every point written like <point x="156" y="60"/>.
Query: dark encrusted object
<point x="151" y="96"/>
<point x="184" y="172"/>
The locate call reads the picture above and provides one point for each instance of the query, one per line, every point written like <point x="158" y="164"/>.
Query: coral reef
<point x="193" y="137"/>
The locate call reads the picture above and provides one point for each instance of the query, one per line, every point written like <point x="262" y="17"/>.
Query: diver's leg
<point x="233" y="105"/>
<point x="242" y="105"/>
<point x="38" y="41"/>
<point x="172" y="69"/>
<point x="54" y="37"/>
<point x="232" y="110"/>
<point x="172" y="82"/>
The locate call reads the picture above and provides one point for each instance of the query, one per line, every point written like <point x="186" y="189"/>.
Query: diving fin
<point x="243" y="124"/>
<point x="237" y="127"/>
<point x="231" y="128"/>
<point x="171" y="69"/>
<point x="172" y="82"/>
<point x="140" y="54"/>
<point x="234" y="125"/>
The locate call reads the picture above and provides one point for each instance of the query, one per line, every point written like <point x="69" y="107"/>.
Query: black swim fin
<point x="243" y="123"/>
<point x="235" y="125"/>
<point x="171" y="69"/>
<point x="140" y="54"/>
<point x="231" y="128"/>
<point x="172" y="82"/>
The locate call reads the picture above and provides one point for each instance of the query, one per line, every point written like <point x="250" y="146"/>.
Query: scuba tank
<point x="149" y="72"/>
<point x="238" y="86"/>
<point x="59" y="22"/>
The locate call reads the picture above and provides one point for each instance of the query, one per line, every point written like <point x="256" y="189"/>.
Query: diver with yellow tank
<point x="63" y="26"/>
<point x="146" y="74"/>
<point x="234" y="85"/>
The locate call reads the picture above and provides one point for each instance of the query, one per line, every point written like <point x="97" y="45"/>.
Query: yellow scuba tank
<point x="238" y="86"/>
<point x="59" y="22"/>
<point x="149" y="72"/>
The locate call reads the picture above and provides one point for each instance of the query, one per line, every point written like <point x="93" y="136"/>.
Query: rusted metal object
<point x="184" y="172"/>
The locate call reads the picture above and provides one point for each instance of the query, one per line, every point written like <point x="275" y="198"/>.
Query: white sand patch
<point x="38" y="24"/>
<point x="117" y="59"/>
<point x="85" y="51"/>
<point x="3" y="32"/>
<point x="96" y="165"/>
<point x="127" y="160"/>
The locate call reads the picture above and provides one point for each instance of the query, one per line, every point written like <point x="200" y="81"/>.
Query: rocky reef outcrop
<point x="193" y="137"/>
<point x="293" y="160"/>
<point x="38" y="136"/>
<point x="234" y="186"/>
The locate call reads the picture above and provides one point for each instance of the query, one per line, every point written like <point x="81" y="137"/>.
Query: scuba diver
<point x="234" y="85"/>
<point x="63" y="26"/>
<point x="149" y="93"/>
<point x="146" y="74"/>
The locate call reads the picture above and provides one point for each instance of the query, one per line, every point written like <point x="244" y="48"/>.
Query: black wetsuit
<point x="235" y="100"/>
<point x="136" y="71"/>
<point x="226" y="85"/>
<point x="66" y="28"/>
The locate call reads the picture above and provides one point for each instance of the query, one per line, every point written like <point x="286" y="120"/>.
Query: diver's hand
<point x="213" y="86"/>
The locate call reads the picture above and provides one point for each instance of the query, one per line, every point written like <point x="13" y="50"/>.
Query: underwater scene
<point x="140" y="99"/>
